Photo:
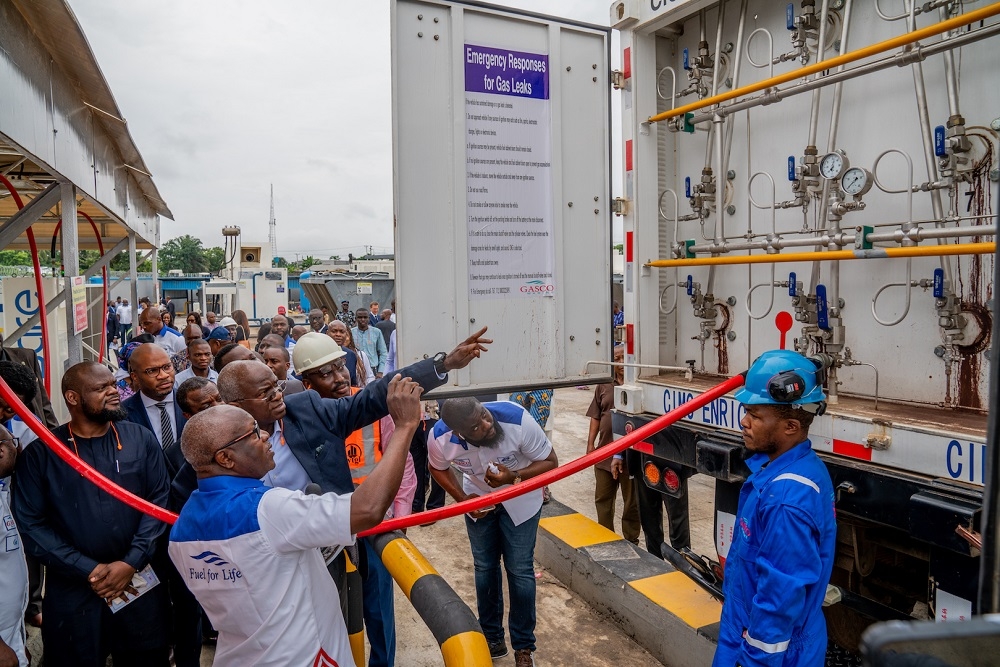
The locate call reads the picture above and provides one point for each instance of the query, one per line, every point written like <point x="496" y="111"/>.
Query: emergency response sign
<point x="511" y="228"/>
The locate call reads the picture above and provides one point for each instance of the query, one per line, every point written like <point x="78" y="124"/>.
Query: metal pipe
<point x="951" y="81"/>
<point x="898" y="60"/>
<point x="853" y="56"/>
<point x="918" y="234"/>
<point x="828" y="255"/>
<point x="770" y="304"/>
<point x="908" y="225"/>
<point x="820" y="48"/>
<point x="717" y="63"/>
<point x="737" y="62"/>
<point x="906" y="304"/>
<point x="616" y="364"/>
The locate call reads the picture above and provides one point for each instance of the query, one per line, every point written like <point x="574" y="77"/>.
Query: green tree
<point x="215" y="259"/>
<point x="120" y="263"/>
<point x="15" y="258"/>
<point x="185" y="253"/>
<point x="308" y="261"/>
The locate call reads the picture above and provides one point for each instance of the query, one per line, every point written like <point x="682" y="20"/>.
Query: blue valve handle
<point x="685" y="59"/>
<point x="939" y="146"/>
<point x="687" y="187"/>
<point x="938" y="283"/>
<point x="790" y="16"/>
<point x="791" y="167"/>
<point x="792" y="289"/>
<point x="822" y="312"/>
<point x="690" y="286"/>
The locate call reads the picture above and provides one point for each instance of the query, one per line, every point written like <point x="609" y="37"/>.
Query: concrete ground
<point x="568" y="631"/>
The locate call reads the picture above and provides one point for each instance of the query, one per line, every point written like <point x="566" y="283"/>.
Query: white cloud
<point x="224" y="98"/>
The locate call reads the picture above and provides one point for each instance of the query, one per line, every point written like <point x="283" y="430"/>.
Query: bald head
<point x="148" y="354"/>
<point x="458" y="413"/>
<point x="230" y="354"/>
<point x="192" y="332"/>
<point x="271" y="340"/>
<point x="298" y="331"/>
<point x="206" y="432"/>
<point x="238" y="375"/>
<point x="78" y="375"/>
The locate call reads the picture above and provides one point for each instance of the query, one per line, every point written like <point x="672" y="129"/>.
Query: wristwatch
<point x="438" y="360"/>
<point x="517" y="478"/>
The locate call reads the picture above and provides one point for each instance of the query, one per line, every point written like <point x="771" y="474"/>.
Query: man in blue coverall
<point x="786" y="533"/>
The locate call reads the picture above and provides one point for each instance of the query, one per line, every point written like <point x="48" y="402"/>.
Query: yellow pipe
<point x="874" y="253"/>
<point x="405" y="564"/>
<point x="871" y="50"/>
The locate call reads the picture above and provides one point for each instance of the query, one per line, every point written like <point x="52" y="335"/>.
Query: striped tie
<point x="166" y="429"/>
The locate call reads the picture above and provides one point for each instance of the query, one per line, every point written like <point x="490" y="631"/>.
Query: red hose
<point x="47" y="365"/>
<point x="81" y="466"/>
<point x="562" y="471"/>
<point x="104" y="275"/>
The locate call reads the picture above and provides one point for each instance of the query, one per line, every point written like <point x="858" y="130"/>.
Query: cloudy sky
<point x="224" y="98"/>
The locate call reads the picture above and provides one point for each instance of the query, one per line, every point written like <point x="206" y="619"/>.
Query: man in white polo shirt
<point x="169" y="339"/>
<point x="495" y="445"/>
<point x="251" y="553"/>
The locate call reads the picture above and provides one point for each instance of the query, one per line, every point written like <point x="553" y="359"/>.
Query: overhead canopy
<point x="60" y="122"/>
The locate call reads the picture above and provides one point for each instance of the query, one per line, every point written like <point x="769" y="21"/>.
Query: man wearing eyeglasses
<point x="266" y="557"/>
<point x="154" y="405"/>
<point x="92" y="544"/>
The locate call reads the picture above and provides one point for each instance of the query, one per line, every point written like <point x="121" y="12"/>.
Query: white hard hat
<point x="313" y="350"/>
<point x="227" y="322"/>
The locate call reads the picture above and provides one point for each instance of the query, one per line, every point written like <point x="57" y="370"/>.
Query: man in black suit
<point x="155" y="406"/>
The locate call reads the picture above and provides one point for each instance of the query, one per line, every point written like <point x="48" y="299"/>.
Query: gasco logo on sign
<point x="537" y="287"/>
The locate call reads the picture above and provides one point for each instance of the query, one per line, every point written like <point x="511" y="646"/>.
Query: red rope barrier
<point x="38" y="289"/>
<point x="562" y="471"/>
<point x="86" y="470"/>
<point x="463" y="507"/>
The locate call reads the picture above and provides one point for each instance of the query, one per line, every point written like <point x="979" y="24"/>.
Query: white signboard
<point x="502" y="192"/>
<point x="508" y="176"/>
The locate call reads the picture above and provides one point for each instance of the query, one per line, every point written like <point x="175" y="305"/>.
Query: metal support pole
<point x="71" y="269"/>
<point x="31" y="213"/>
<point x="156" y="276"/>
<point x="133" y="276"/>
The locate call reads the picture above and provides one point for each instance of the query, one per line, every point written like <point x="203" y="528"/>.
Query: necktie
<point x="166" y="429"/>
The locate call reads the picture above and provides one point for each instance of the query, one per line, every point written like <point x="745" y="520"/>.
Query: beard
<point x="105" y="415"/>
<point x="494" y="441"/>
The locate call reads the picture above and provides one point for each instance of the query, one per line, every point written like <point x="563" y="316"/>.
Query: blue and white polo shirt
<point x="250" y="554"/>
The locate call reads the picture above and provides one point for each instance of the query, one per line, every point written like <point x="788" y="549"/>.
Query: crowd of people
<point x="272" y="451"/>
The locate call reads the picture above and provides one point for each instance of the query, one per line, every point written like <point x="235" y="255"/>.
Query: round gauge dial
<point x="856" y="181"/>
<point x="833" y="165"/>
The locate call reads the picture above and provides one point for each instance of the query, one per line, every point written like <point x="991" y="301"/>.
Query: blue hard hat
<point x="782" y="377"/>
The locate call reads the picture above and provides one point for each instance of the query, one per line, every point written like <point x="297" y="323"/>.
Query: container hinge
<point x="878" y="441"/>
<point x="619" y="206"/>
<point x="617" y="79"/>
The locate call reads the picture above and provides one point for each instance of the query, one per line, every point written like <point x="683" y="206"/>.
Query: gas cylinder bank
<point x="840" y="211"/>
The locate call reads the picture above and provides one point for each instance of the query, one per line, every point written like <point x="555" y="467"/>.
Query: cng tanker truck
<point x="817" y="176"/>
<point x="844" y="211"/>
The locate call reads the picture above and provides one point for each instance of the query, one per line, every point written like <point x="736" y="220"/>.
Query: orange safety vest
<point x="363" y="448"/>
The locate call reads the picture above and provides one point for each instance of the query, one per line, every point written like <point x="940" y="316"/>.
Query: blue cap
<point x="220" y="333"/>
<point x="781" y="377"/>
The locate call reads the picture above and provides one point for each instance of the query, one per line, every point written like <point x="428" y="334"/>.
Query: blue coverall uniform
<point x="779" y="564"/>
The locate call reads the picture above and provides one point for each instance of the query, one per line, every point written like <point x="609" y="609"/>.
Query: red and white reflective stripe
<point x="798" y="478"/>
<point x="627" y="63"/>
<point x="780" y="647"/>
<point x="628" y="155"/>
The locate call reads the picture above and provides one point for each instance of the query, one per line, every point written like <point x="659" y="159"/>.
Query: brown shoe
<point x="522" y="658"/>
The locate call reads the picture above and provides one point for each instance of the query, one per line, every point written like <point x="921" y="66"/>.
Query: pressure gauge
<point x="833" y="165"/>
<point x="856" y="181"/>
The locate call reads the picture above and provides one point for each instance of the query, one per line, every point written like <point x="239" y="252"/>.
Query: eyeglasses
<point x="156" y="370"/>
<point x="269" y="395"/>
<point x="327" y="370"/>
<point x="15" y="441"/>
<point x="255" y="431"/>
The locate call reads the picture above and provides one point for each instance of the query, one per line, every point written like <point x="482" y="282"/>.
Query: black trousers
<point x="418" y="450"/>
<point x="651" y="504"/>
<point x="80" y="630"/>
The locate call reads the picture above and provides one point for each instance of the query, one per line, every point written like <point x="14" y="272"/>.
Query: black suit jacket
<point x="41" y="406"/>
<point x="137" y="415"/>
<point x="315" y="428"/>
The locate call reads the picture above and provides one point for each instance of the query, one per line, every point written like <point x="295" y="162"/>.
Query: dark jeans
<point x="492" y="537"/>
<point x="651" y="503"/>
<point x="418" y="450"/>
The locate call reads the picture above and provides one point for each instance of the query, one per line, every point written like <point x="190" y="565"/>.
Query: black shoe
<point x="498" y="649"/>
